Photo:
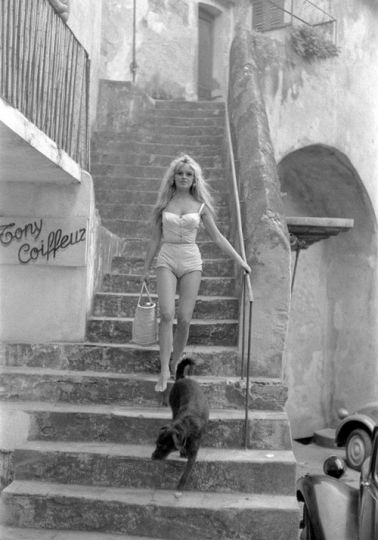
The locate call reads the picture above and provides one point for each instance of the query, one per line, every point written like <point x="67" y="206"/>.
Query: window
<point x="267" y="15"/>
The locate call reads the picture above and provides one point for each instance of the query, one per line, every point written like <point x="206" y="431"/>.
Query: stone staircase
<point x="94" y="415"/>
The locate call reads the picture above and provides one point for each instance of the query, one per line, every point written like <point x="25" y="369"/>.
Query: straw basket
<point x="145" y="320"/>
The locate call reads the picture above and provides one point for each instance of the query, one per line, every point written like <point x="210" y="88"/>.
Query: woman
<point x="183" y="202"/>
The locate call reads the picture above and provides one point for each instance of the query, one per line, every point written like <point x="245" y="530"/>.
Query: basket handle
<point x="144" y="290"/>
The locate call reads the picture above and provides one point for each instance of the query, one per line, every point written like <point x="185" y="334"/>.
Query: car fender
<point x="354" y="421"/>
<point x="332" y="507"/>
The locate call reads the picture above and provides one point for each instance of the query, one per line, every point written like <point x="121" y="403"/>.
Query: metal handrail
<point x="247" y="286"/>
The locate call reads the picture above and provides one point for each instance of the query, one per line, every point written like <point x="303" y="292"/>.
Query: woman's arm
<point x="221" y="241"/>
<point x="152" y="249"/>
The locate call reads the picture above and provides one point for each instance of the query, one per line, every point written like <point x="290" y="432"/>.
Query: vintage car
<point x="333" y="510"/>
<point x="355" y="432"/>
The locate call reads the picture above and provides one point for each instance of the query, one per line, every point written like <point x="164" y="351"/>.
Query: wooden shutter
<point x="267" y="15"/>
<point x="258" y="15"/>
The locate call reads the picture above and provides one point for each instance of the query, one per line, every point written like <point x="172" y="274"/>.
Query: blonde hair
<point x="199" y="189"/>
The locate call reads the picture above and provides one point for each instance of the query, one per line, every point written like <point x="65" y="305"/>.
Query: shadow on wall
<point x="331" y="349"/>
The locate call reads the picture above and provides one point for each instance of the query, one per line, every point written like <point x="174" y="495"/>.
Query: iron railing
<point x="247" y="296"/>
<point x="44" y="73"/>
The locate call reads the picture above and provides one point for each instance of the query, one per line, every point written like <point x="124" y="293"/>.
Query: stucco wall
<point x="166" y="45"/>
<point x="330" y="101"/>
<point x="47" y="302"/>
<point x="332" y="348"/>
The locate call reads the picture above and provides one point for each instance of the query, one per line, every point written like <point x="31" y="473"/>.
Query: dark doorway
<point x="205" y="53"/>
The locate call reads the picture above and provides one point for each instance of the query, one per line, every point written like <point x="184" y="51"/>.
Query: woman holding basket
<point x="183" y="203"/>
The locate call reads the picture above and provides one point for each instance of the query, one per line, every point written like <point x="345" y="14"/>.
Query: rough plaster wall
<point x="331" y="353"/>
<point x="45" y="303"/>
<point x="331" y="102"/>
<point x="267" y="244"/>
<point x="166" y="45"/>
<point x="166" y="41"/>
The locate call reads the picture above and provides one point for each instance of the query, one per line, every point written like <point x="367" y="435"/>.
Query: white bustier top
<point x="181" y="229"/>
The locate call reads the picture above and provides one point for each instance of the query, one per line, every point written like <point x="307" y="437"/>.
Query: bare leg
<point x="188" y="291"/>
<point x="166" y="289"/>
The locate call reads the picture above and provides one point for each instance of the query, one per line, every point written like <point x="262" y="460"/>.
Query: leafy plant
<point x="310" y="44"/>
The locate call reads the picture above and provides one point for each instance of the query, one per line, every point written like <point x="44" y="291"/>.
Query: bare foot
<point x="162" y="381"/>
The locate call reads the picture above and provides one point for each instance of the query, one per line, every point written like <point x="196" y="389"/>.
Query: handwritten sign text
<point x="43" y="241"/>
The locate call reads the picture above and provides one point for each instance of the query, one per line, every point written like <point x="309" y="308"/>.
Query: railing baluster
<point x="44" y="73"/>
<point x="246" y="422"/>
<point x="243" y="332"/>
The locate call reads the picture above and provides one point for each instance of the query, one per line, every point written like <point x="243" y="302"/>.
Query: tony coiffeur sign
<point x="43" y="241"/>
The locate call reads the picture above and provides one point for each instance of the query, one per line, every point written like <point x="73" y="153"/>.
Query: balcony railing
<point x="274" y="14"/>
<point x="44" y="73"/>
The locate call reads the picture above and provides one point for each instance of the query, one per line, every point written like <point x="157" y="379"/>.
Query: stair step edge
<point x="205" y="454"/>
<point x="18" y="533"/>
<point x="134" y="412"/>
<point x="166" y="498"/>
<point x="136" y="376"/>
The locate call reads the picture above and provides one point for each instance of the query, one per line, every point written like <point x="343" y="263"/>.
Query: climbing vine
<point x="310" y="44"/>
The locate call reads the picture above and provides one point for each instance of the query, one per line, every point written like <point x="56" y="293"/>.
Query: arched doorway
<point x="332" y="344"/>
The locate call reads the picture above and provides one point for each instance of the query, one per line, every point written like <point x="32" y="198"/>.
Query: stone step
<point x="202" y="106"/>
<point x="132" y="157"/>
<point x="59" y="421"/>
<point x="135" y="183"/>
<point x="156" y="125"/>
<point x="171" y="148"/>
<point x="37" y="384"/>
<point x="215" y="361"/>
<point x="203" y="137"/>
<point x="163" y="120"/>
<point x="131" y="466"/>
<point x="117" y="196"/>
<point x="142" y="229"/>
<point x="142" y="171"/>
<point x="135" y="265"/>
<point x="202" y="332"/>
<point x="124" y="305"/>
<point x="171" y="114"/>
<point x="19" y="533"/>
<point x="127" y="283"/>
<point x="143" y="211"/>
<point x="202" y="516"/>
<point x="184" y="118"/>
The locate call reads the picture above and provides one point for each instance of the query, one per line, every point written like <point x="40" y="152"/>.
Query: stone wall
<point x="267" y="244"/>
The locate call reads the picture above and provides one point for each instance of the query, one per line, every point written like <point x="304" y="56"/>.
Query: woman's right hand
<point x="146" y="277"/>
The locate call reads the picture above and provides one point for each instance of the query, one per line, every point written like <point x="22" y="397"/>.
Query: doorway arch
<point x="332" y="343"/>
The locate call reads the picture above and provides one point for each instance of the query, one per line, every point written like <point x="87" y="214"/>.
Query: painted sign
<point x="43" y="241"/>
